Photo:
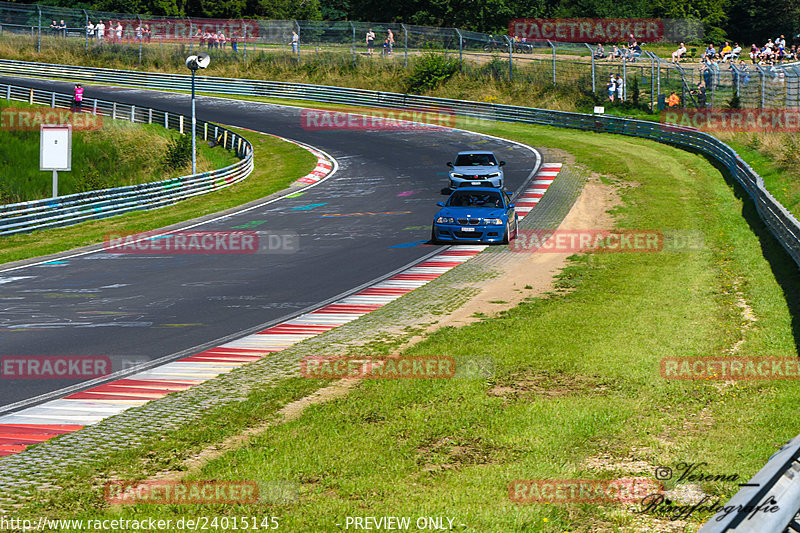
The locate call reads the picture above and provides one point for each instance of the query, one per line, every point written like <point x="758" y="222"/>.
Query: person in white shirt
<point x="90" y="30"/>
<point x="101" y="31"/>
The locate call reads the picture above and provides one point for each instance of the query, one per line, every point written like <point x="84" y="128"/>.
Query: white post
<point x="55" y="184"/>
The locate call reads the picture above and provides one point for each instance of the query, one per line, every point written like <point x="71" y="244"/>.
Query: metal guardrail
<point x="779" y="472"/>
<point x="75" y="208"/>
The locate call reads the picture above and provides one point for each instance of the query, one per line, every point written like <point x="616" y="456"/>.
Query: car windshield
<point x="475" y="160"/>
<point x="475" y="199"/>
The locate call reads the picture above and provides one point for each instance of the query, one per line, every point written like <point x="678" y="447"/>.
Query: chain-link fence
<point x="640" y="76"/>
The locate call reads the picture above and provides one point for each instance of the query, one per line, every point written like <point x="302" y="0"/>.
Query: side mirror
<point x="440" y="204"/>
<point x="511" y="206"/>
<point x="502" y="163"/>
<point x="450" y="164"/>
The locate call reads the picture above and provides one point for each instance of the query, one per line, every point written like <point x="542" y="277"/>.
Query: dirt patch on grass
<point x="528" y="387"/>
<point x="450" y="453"/>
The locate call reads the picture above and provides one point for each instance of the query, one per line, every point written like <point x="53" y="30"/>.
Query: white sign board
<point x="599" y="110"/>
<point x="55" y="147"/>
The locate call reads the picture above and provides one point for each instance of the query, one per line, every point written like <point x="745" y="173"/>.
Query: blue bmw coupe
<point x="475" y="214"/>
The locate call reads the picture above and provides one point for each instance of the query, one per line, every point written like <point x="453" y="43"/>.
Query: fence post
<point x="554" y="62"/>
<point x="460" y="49"/>
<point x="591" y="55"/>
<point x="39" y="40"/>
<point x="191" y="36"/>
<point x="652" y="80"/>
<point x="140" y="36"/>
<point x="405" y="33"/>
<point x="297" y="27"/>
<point x="86" y="28"/>
<point x="763" y="85"/>
<point x="510" y="57"/>
<point x="624" y="77"/>
<point x="354" y="42"/>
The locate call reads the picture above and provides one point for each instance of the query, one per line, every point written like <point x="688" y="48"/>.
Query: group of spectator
<point x="388" y="43"/>
<point x="59" y="28"/>
<point x="630" y="52"/>
<point x="773" y="52"/>
<point x="114" y="31"/>
<point x="215" y="40"/>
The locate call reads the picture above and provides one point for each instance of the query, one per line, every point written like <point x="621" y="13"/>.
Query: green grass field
<point x="118" y="153"/>
<point x="576" y="391"/>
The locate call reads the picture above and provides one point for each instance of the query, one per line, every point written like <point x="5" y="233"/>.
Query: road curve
<point x="369" y="219"/>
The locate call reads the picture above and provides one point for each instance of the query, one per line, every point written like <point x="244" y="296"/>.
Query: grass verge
<point x="278" y="164"/>
<point x="576" y="391"/>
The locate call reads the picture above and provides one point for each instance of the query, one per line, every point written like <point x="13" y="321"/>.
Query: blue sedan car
<point x="475" y="214"/>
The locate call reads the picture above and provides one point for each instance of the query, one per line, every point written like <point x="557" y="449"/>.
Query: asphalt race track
<point x="370" y="218"/>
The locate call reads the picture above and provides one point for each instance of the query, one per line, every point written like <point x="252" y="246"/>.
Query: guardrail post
<point x="205" y="131"/>
<point x="30" y="97"/>
<point x="405" y="33"/>
<point x="52" y="99"/>
<point x="180" y="124"/>
<point x="554" y="62"/>
<point x="591" y="55"/>
<point x="510" y="57"/>
<point x="166" y="120"/>
<point x="39" y="40"/>
<point x="460" y="49"/>
<point x="94" y="107"/>
<point x="86" y="28"/>
<point x="133" y="113"/>
<point x="150" y="115"/>
<point x="225" y="139"/>
<point x="8" y="92"/>
<point x="114" y="111"/>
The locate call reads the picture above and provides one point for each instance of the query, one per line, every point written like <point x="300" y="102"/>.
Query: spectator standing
<point x="139" y="32"/>
<point x="390" y="40"/>
<point x="101" y="31"/>
<point x="370" y="41"/>
<point x="90" y="30"/>
<point x="612" y="88"/>
<point x="295" y="41"/>
<point x="77" y="99"/>
<point x="148" y="33"/>
<point x="222" y="40"/>
<point x="620" y="88"/>
<point x="119" y="32"/>
<point x="215" y="39"/>
<point x="234" y="41"/>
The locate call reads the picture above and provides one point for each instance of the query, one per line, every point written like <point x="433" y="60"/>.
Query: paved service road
<point x="370" y="218"/>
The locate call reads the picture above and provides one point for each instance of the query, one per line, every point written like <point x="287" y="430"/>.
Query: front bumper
<point x="480" y="181"/>
<point x="455" y="233"/>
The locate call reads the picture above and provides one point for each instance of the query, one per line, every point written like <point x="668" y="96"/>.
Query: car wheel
<point x="434" y="240"/>
<point x="506" y="235"/>
<point x="516" y="227"/>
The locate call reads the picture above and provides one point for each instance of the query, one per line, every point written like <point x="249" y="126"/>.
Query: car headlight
<point x="493" y="175"/>
<point x="494" y="221"/>
<point x="445" y="220"/>
<point x="456" y="175"/>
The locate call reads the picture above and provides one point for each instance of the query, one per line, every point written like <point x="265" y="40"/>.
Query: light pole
<point x="193" y="63"/>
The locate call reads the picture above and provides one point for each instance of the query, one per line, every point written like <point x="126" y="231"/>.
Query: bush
<point x="429" y="72"/>
<point x="179" y="153"/>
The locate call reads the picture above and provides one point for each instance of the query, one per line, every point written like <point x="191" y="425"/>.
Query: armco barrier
<point x="75" y="208"/>
<point x="780" y="470"/>
<point x="782" y="224"/>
